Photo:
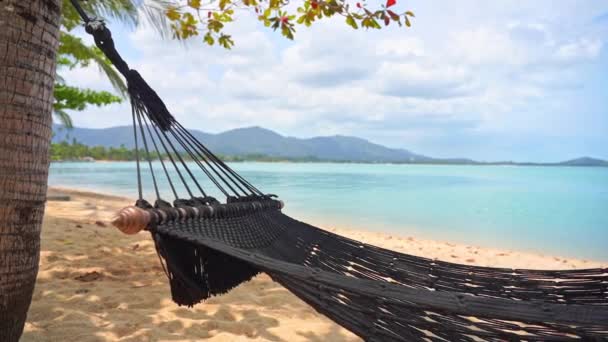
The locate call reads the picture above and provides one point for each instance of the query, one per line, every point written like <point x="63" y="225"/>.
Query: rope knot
<point x="96" y="25"/>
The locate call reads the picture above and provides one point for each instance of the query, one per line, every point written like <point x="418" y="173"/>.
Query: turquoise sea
<point x="557" y="210"/>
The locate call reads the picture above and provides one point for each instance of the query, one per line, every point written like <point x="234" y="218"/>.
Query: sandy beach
<point x="96" y="284"/>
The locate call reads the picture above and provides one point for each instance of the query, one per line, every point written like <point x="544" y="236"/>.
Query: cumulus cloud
<point x="415" y="80"/>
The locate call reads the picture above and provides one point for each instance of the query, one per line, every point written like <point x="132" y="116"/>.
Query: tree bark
<point x="29" y="33"/>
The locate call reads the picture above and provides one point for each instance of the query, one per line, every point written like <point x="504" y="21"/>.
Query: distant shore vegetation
<point x="75" y="151"/>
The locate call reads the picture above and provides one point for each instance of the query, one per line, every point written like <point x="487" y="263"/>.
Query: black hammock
<point x="208" y="248"/>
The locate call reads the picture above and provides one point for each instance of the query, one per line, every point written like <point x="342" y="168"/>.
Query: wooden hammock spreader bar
<point x="132" y="219"/>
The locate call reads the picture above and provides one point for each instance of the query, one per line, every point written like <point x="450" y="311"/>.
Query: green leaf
<point x="196" y="4"/>
<point x="351" y="22"/>
<point x="173" y="14"/>
<point x="224" y="3"/>
<point x="225" y="41"/>
<point x="209" y="39"/>
<point x="215" y="25"/>
<point x="287" y="31"/>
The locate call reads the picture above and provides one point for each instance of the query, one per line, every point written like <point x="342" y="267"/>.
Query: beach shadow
<point x="97" y="285"/>
<point x="334" y="334"/>
<point x="252" y="324"/>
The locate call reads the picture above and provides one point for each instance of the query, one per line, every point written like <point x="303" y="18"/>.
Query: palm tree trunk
<point x="29" y="32"/>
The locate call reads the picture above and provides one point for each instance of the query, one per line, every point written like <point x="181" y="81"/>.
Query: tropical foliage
<point x="77" y="151"/>
<point x="74" y="53"/>
<point x="191" y="18"/>
<point x="74" y="150"/>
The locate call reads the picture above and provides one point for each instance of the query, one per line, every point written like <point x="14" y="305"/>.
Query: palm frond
<point x="154" y="13"/>
<point x="63" y="118"/>
<point x="82" y="55"/>
<point x="128" y="12"/>
<point x="124" y="11"/>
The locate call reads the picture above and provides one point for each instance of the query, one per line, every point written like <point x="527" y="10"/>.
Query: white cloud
<point x="416" y="80"/>
<point x="400" y="48"/>
<point x="582" y="49"/>
<point x="485" y="46"/>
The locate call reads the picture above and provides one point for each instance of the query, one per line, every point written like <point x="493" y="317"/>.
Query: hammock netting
<point x="207" y="248"/>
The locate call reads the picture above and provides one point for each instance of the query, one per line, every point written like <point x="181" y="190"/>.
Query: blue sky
<point x="490" y="80"/>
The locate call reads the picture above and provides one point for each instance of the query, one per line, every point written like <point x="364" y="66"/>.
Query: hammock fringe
<point x="197" y="273"/>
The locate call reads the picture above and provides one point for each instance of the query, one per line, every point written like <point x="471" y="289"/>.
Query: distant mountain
<point x="584" y="161"/>
<point x="261" y="141"/>
<point x="257" y="140"/>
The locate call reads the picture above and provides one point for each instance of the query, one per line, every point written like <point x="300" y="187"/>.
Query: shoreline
<point x="88" y="193"/>
<point x="509" y="260"/>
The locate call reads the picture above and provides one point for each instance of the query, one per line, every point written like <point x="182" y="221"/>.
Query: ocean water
<point x="556" y="210"/>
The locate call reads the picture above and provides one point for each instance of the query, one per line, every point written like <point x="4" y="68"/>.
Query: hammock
<point x="207" y="248"/>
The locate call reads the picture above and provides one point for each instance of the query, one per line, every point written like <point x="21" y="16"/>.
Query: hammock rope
<point x="207" y="248"/>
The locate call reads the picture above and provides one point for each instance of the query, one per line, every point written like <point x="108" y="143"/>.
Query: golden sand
<point x="96" y="284"/>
